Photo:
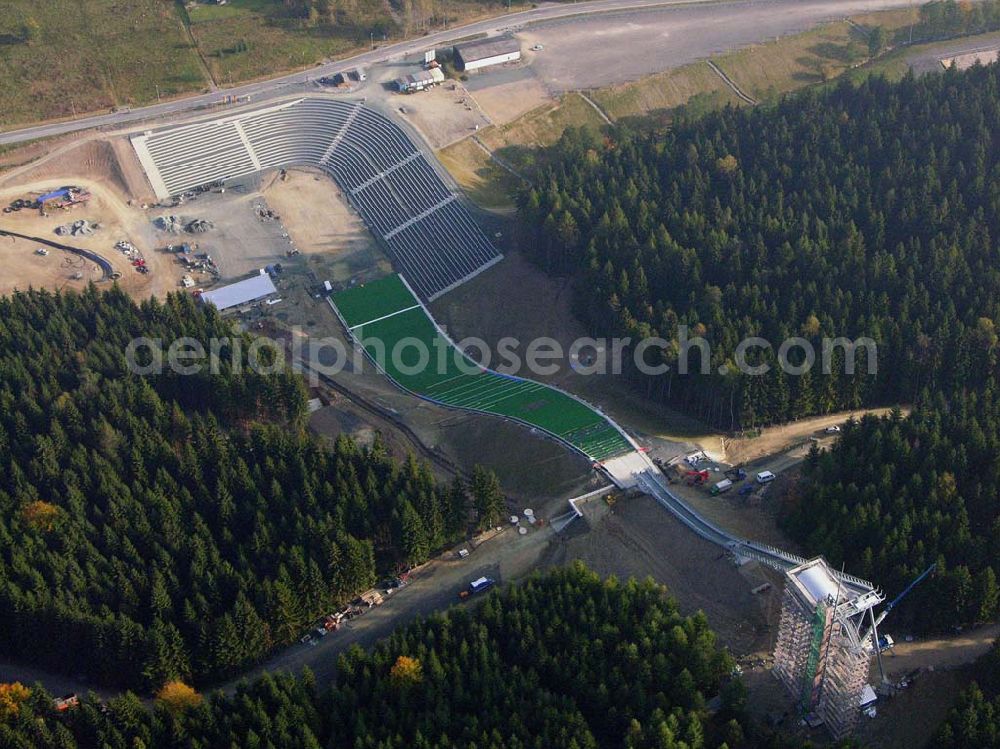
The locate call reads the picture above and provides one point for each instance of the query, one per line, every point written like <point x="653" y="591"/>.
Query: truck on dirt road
<point x="477" y="586"/>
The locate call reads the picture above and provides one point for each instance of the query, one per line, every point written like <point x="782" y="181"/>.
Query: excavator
<point x="696" y="477"/>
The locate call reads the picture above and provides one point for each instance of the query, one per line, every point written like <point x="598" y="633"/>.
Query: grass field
<point x="541" y="126"/>
<point x="813" y="57"/>
<point x="395" y="331"/>
<point x="483" y="179"/>
<point x="247" y="39"/>
<point x="666" y="91"/>
<point x="61" y="56"/>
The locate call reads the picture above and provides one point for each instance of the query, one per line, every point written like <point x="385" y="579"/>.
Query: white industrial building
<point x="242" y="292"/>
<point x="485" y="52"/>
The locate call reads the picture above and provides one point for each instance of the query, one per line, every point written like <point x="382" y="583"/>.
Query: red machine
<point x="696" y="477"/>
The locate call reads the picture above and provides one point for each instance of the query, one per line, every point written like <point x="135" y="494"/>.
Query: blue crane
<point x="884" y="643"/>
<point x="906" y="591"/>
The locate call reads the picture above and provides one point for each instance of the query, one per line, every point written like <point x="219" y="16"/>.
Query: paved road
<point x="300" y="82"/>
<point x="263" y="90"/>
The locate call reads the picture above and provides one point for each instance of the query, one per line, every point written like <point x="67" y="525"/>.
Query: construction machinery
<point x="696" y="477"/>
<point x="64" y="197"/>
<point x="906" y="591"/>
<point x="881" y="644"/>
<point x="885" y="642"/>
<point x="369" y="599"/>
<point x="64" y="703"/>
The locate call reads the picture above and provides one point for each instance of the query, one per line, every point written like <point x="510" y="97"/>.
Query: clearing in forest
<point x="399" y="336"/>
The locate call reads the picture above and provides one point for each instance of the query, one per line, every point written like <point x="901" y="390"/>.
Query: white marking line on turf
<point x="470" y="392"/>
<point x="450" y="379"/>
<point x="384" y="317"/>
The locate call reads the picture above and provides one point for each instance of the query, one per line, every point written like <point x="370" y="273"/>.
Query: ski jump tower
<point x="822" y="656"/>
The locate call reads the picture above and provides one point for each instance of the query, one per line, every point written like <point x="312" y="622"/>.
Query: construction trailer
<point x="485" y="52"/>
<point x="420" y="81"/>
<point x="824" y="649"/>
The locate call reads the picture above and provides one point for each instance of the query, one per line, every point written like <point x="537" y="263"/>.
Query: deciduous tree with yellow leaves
<point x="406" y="671"/>
<point x="178" y="697"/>
<point x="11" y="697"/>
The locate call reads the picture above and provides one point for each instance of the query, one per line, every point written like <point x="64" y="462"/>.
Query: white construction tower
<point x="822" y="655"/>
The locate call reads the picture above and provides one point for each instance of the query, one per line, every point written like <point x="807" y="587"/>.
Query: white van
<point x="765" y="477"/>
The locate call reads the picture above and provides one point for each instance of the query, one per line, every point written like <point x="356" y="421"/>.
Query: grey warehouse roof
<point x="240" y="292"/>
<point x="483" y="48"/>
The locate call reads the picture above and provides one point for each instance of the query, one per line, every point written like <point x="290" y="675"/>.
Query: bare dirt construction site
<point x="635" y="537"/>
<point x="238" y="239"/>
<point x="773" y="440"/>
<point x="507" y="93"/>
<point x="322" y="226"/>
<point x="108" y="170"/>
<point x="442" y="115"/>
<point x="25" y="266"/>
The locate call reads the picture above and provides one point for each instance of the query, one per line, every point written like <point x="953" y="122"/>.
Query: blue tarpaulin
<point x="62" y="193"/>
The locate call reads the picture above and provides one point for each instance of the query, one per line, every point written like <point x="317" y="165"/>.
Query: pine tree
<point x="414" y="536"/>
<point x="488" y="496"/>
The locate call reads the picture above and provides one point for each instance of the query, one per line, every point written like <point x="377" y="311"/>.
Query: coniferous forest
<point x="975" y="720"/>
<point x="564" y="660"/>
<point x="167" y="526"/>
<point x="895" y="495"/>
<point x="869" y="210"/>
<point x="858" y="210"/>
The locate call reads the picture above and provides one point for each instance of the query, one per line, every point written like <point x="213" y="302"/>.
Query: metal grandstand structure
<point x="426" y="230"/>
